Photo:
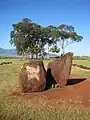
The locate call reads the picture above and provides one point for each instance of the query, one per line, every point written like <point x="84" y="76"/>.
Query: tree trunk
<point x="36" y="55"/>
<point x="23" y="56"/>
<point x="48" y="51"/>
<point x="63" y="50"/>
<point x="32" y="55"/>
<point x="26" y="55"/>
<point x="41" y="53"/>
<point x="42" y="56"/>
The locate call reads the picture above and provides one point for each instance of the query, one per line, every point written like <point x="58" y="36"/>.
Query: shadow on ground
<point x="50" y="80"/>
<point x="74" y="81"/>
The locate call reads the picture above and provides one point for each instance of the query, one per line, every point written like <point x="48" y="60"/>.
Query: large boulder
<point x="32" y="77"/>
<point x="59" y="70"/>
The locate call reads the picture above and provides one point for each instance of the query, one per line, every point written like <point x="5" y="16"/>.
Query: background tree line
<point x="30" y="38"/>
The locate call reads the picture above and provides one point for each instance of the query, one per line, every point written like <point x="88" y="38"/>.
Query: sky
<point x="47" y="12"/>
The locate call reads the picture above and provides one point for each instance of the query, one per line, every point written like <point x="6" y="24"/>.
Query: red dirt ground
<point x="78" y="93"/>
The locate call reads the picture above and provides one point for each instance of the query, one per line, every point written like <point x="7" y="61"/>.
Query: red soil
<point x="78" y="93"/>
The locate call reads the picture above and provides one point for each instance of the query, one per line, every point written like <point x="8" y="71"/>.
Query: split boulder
<point x="59" y="70"/>
<point x="32" y="77"/>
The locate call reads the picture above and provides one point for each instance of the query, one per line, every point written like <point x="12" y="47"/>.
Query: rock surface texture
<point x="32" y="77"/>
<point x="59" y="70"/>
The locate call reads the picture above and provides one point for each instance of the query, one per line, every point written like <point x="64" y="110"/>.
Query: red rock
<point x="59" y="70"/>
<point x="32" y="77"/>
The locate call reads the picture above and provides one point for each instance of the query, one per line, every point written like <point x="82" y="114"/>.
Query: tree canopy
<point x="30" y="38"/>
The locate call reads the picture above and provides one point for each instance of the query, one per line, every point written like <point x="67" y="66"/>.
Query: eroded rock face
<point x="33" y="77"/>
<point x="59" y="70"/>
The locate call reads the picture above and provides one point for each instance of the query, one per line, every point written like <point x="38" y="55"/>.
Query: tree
<point x="64" y="35"/>
<point x="36" y="50"/>
<point x="67" y="35"/>
<point x="45" y="39"/>
<point x="20" y="35"/>
<point x="31" y="38"/>
<point x="25" y="36"/>
<point x="54" y="49"/>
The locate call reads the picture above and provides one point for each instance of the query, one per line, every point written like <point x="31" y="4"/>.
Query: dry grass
<point x="82" y="62"/>
<point x="19" y="108"/>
